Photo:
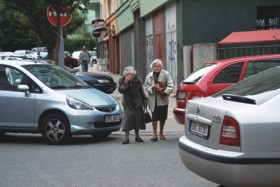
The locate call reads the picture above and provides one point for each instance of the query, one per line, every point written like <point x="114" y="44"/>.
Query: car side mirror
<point x="24" y="88"/>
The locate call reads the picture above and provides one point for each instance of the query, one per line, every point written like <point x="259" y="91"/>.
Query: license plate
<point x="112" y="118"/>
<point x="199" y="129"/>
<point x="181" y="95"/>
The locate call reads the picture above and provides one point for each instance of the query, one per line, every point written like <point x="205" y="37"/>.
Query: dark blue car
<point x="104" y="83"/>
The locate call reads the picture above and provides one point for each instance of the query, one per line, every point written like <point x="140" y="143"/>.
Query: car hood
<point x="95" y="75"/>
<point x="90" y="96"/>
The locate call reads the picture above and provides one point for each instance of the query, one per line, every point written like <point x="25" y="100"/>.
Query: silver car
<point x="232" y="138"/>
<point x="43" y="98"/>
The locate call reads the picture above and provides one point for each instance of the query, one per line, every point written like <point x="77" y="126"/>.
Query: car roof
<point x="245" y="58"/>
<point x="22" y="62"/>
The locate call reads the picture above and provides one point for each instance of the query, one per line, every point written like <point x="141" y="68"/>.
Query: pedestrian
<point x="134" y="100"/>
<point x="84" y="59"/>
<point x="159" y="86"/>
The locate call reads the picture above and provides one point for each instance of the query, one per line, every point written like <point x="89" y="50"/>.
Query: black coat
<point x="133" y="101"/>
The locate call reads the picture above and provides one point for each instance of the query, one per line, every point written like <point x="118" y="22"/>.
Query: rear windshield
<point x="260" y="87"/>
<point x="197" y="75"/>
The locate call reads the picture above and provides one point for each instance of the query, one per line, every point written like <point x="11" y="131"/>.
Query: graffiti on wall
<point x="150" y="48"/>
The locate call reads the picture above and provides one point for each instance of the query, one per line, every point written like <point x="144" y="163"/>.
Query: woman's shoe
<point x="138" y="139"/>
<point x="154" y="139"/>
<point x="162" y="137"/>
<point x="125" y="141"/>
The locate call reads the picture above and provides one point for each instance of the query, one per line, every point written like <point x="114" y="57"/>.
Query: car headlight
<point x="76" y="104"/>
<point x="103" y="81"/>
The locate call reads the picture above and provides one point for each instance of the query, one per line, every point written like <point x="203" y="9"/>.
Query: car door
<point x="227" y="76"/>
<point x="17" y="107"/>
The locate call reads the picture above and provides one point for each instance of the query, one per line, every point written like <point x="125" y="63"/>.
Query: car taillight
<point x="230" y="133"/>
<point x="197" y="95"/>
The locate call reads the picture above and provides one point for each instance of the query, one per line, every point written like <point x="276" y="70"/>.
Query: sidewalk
<point x="171" y="126"/>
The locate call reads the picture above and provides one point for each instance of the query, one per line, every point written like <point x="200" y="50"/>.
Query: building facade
<point x="184" y="34"/>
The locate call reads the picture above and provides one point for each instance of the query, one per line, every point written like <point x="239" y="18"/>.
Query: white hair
<point x="129" y="70"/>
<point x="156" y="62"/>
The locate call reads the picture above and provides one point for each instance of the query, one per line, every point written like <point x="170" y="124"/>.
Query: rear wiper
<point x="238" y="98"/>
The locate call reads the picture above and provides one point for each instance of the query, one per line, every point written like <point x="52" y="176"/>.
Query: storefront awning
<point x="252" y="37"/>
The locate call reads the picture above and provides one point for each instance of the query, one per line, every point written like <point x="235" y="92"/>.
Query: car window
<point x="197" y="75"/>
<point x="55" y="77"/>
<point x="258" y="66"/>
<point x="230" y="74"/>
<point x="260" y="87"/>
<point x="10" y="78"/>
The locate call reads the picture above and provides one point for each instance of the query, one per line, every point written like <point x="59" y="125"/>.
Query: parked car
<point x="42" y="53"/>
<point x="43" y="98"/>
<point x="76" y="54"/>
<point x="231" y="138"/>
<point x="93" y="56"/>
<point x="13" y="57"/>
<point x="70" y="62"/>
<point x="218" y="75"/>
<point x="104" y="83"/>
<point x="22" y="52"/>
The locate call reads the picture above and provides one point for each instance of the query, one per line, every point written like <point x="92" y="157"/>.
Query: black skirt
<point x="160" y="113"/>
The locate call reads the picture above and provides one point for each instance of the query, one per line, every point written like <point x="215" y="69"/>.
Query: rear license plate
<point x="112" y="118"/>
<point x="199" y="129"/>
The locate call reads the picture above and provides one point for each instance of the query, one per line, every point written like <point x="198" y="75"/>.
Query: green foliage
<point x="24" y="24"/>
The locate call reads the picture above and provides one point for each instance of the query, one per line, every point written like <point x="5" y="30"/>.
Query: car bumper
<point x="86" y="122"/>
<point x="229" y="168"/>
<point x="179" y="115"/>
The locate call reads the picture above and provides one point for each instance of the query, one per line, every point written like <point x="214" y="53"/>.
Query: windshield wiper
<point x="238" y="98"/>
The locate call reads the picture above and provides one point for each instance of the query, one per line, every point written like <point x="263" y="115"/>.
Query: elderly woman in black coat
<point x="133" y="100"/>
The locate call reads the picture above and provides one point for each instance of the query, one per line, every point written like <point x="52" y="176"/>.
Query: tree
<point x="35" y="12"/>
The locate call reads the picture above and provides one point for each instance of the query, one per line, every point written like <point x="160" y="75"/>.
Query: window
<point x="255" y="67"/>
<point x="230" y="74"/>
<point x="10" y="78"/>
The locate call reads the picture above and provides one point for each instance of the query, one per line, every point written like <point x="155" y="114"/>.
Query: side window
<point x="258" y="66"/>
<point x="9" y="78"/>
<point x="230" y="74"/>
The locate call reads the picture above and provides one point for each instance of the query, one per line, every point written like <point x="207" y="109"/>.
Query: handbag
<point x="147" y="116"/>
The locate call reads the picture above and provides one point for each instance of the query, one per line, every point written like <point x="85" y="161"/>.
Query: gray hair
<point x="158" y="62"/>
<point x="129" y="70"/>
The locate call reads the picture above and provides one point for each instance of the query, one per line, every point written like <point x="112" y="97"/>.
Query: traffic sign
<point x="52" y="17"/>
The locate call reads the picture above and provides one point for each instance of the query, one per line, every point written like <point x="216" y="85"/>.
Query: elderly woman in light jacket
<point x="159" y="86"/>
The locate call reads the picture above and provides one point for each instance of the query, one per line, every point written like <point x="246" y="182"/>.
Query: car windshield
<point x="197" y="75"/>
<point x="258" y="88"/>
<point x="55" y="77"/>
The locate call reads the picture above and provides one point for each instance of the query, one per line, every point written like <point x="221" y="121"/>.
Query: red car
<point x="216" y="76"/>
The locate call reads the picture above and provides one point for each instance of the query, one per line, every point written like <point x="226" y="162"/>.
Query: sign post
<point x="64" y="20"/>
<point x="98" y="26"/>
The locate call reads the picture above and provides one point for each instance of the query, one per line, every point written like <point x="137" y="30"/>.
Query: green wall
<point x="147" y="6"/>
<point x="205" y="21"/>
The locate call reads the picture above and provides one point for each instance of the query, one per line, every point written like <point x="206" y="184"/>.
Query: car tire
<point x="56" y="129"/>
<point x="100" y="135"/>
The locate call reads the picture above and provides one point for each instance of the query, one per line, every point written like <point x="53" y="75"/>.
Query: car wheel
<point x="100" y="135"/>
<point x="55" y="129"/>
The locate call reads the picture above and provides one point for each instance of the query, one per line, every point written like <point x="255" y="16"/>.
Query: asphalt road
<point x="26" y="161"/>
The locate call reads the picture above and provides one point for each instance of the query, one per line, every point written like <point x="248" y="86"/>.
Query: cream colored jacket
<point x="161" y="99"/>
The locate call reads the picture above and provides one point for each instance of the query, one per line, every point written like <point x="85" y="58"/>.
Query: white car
<point x="232" y="138"/>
